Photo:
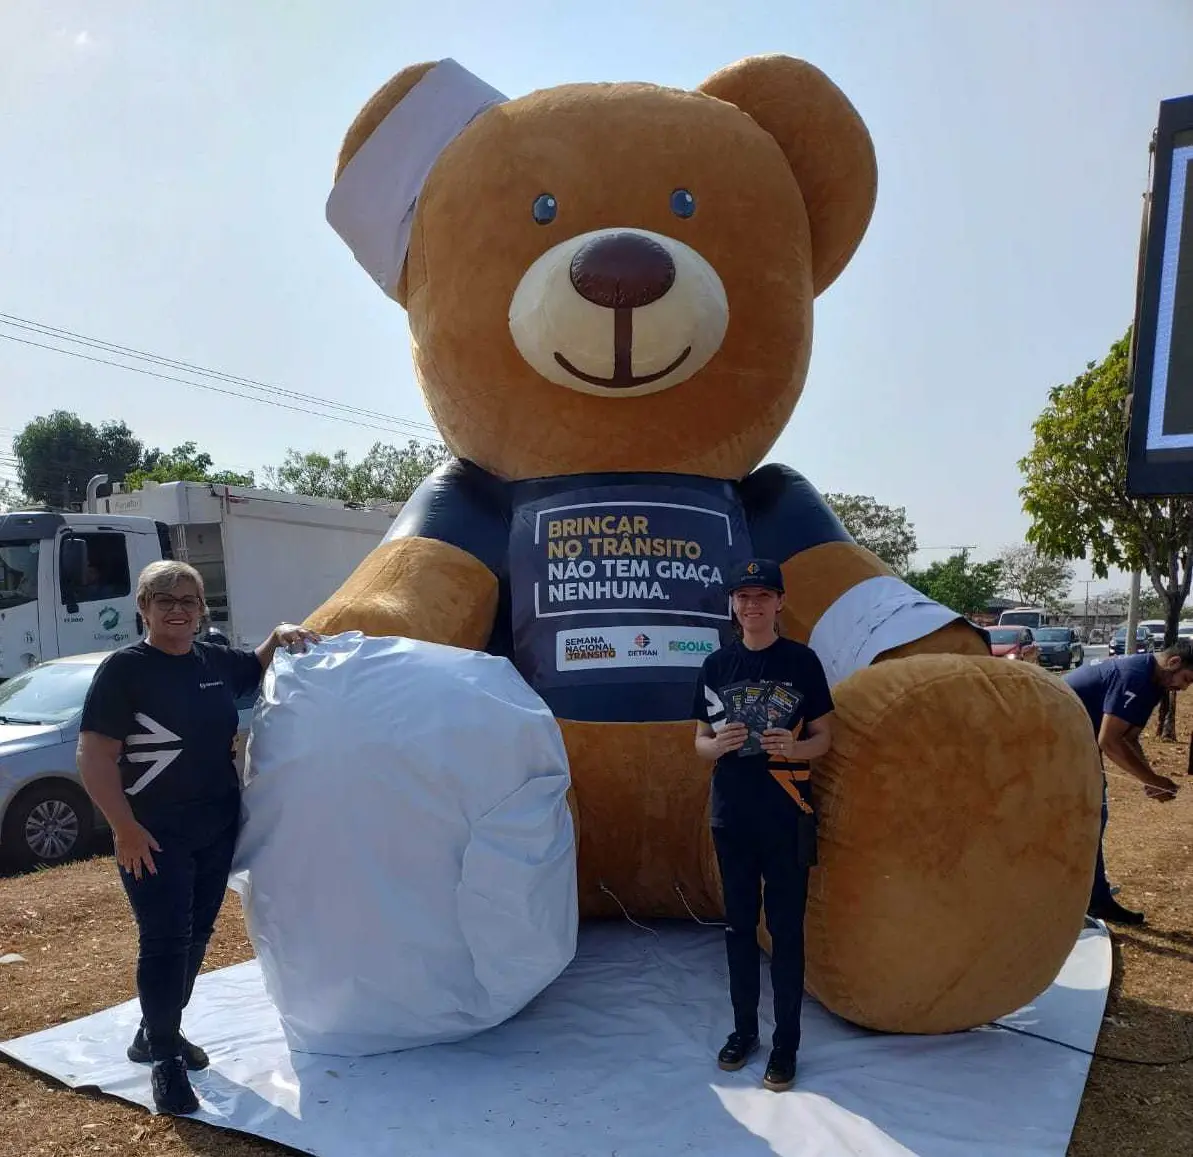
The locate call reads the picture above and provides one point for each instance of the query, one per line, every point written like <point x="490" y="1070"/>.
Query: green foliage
<point x="963" y="586"/>
<point x="1075" y="488"/>
<point x="58" y="455"/>
<point x="881" y="529"/>
<point x="1034" y="579"/>
<point x="386" y="474"/>
<point x="185" y="463"/>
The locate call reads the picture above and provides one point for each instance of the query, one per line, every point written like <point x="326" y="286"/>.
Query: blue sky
<point x="166" y="165"/>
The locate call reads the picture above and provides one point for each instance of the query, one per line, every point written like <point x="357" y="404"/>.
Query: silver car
<point x="46" y="817"/>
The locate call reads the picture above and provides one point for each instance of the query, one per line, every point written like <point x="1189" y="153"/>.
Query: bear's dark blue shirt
<point x="779" y="512"/>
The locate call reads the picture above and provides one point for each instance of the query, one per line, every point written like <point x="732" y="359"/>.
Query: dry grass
<point x="72" y="926"/>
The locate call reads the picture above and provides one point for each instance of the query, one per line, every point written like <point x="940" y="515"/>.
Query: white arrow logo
<point x="156" y="733"/>
<point x="158" y="761"/>
<point x="716" y="708"/>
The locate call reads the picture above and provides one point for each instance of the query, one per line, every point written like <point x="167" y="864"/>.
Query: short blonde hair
<point x="162" y="577"/>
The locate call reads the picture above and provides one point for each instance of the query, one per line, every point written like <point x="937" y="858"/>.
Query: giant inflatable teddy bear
<point x="610" y="291"/>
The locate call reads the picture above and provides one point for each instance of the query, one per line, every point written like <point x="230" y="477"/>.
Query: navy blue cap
<point x="756" y="572"/>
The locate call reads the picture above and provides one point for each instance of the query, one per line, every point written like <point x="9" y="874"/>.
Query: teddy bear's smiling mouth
<point x="623" y="349"/>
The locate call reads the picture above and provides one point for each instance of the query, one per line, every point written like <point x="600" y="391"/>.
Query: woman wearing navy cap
<point x="763" y="824"/>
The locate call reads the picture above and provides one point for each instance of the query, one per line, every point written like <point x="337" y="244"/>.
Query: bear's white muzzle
<point x="620" y="312"/>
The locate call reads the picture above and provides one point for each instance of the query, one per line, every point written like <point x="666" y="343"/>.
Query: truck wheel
<point x="49" y="823"/>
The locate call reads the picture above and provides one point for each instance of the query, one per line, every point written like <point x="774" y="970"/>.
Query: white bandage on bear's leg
<point x="874" y="616"/>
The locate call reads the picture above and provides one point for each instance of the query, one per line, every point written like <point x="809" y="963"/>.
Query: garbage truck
<point x="68" y="581"/>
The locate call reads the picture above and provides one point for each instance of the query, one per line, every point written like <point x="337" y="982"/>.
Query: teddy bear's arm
<point x="842" y="599"/>
<point x="434" y="577"/>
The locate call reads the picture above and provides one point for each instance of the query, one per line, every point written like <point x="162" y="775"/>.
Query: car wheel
<point x="48" y="824"/>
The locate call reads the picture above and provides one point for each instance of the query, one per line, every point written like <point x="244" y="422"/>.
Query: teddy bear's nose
<point x="622" y="270"/>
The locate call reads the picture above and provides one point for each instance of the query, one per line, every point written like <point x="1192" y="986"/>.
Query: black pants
<point x="176" y="911"/>
<point x="749" y="859"/>
<point x="1100" y="893"/>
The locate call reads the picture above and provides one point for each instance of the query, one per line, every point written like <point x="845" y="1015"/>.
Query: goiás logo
<point x="587" y="647"/>
<point x="642" y="648"/>
<point x="692" y="646"/>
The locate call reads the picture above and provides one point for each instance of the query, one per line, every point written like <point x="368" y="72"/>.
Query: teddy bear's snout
<point x="622" y="271"/>
<point x="619" y="313"/>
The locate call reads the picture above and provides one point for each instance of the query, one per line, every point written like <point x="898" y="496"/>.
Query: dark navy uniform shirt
<point x="743" y="790"/>
<point x="1123" y="687"/>
<point x="176" y="717"/>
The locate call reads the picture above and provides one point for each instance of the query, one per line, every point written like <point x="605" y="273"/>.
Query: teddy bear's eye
<point x="683" y="204"/>
<point x="544" y="208"/>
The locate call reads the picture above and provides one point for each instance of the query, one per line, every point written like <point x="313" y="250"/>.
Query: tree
<point x="960" y="585"/>
<point x="881" y="529"/>
<point x="386" y="474"/>
<point x="185" y="463"/>
<point x="58" y="455"/>
<point x="1034" y="579"/>
<point x="1075" y="490"/>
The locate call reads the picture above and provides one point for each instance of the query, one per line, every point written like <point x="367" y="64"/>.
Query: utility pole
<point x="1132" y="614"/>
<point x="1087" y="583"/>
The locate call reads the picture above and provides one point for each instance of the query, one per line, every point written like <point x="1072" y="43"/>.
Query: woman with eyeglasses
<point x="156" y="756"/>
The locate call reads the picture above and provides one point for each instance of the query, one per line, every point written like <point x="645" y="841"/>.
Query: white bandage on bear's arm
<point x="372" y="204"/>
<point x="872" y="617"/>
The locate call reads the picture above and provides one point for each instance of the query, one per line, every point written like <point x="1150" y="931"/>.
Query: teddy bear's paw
<point x="959" y="826"/>
<point x="407" y="844"/>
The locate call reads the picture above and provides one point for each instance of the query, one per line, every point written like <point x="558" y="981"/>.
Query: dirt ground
<point x="73" y="928"/>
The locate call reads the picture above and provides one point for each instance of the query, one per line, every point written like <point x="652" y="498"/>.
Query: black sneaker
<point x="738" y="1049"/>
<point x="138" y="1052"/>
<point x="1114" y="913"/>
<point x="172" y="1092"/>
<point x="780" y="1071"/>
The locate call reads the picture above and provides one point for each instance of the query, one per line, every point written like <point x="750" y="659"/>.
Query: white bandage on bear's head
<point x="372" y="203"/>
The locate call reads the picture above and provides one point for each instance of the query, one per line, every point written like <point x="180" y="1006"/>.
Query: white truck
<point x="68" y="581"/>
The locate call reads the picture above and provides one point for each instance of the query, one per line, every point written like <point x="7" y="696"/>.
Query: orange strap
<point x="788" y="779"/>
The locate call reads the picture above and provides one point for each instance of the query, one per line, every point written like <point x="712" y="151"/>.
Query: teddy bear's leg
<point x="816" y="578"/>
<point x="418" y="588"/>
<point x="959" y="826"/>
<point x="642" y="796"/>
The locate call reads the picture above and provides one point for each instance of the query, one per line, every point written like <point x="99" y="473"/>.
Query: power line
<point x="76" y="338"/>
<point x="419" y="431"/>
<point x="212" y="389"/>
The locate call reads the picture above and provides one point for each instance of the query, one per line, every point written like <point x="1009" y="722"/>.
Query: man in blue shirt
<point x="1120" y="696"/>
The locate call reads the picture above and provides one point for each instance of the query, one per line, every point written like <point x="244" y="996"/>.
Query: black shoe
<point x="1114" y="913"/>
<point x="738" y="1049"/>
<point x="172" y="1092"/>
<point x="138" y="1052"/>
<point x="780" y="1070"/>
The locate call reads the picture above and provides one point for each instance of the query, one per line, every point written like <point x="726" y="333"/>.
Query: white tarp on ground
<point x="407" y="859"/>
<point x="617" y="1057"/>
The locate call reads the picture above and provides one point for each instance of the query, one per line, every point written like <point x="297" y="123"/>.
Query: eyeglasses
<point x="188" y="603"/>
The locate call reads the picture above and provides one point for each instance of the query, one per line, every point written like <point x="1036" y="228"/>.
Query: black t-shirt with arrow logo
<point x="176" y="717"/>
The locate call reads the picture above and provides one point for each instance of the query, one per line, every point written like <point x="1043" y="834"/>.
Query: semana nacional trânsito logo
<point x="582" y="648"/>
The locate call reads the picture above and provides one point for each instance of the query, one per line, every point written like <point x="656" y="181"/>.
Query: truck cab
<point x="67" y="584"/>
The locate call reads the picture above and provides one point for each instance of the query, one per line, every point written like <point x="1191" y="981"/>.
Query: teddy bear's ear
<point x="826" y="144"/>
<point x="380" y="105"/>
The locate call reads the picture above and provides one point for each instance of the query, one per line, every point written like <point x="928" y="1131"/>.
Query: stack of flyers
<point x="760" y="706"/>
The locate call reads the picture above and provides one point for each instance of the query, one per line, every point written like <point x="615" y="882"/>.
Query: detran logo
<point x="642" y="641"/>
